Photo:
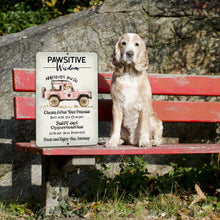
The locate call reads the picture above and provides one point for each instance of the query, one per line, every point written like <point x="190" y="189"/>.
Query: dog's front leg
<point x="144" y="135"/>
<point x="116" y="126"/>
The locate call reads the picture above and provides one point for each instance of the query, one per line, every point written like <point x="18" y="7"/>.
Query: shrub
<point x="17" y="15"/>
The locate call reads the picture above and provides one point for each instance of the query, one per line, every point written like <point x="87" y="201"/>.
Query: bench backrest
<point x="162" y="84"/>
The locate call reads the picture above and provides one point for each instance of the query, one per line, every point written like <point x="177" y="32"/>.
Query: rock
<point x="182" y="37"/>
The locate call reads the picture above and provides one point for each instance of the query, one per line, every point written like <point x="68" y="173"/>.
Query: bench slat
<point x="165" y="84"/>
<point x="25" y="108"/>
<point x="166" y="110"/>
<point x="121" y="150"/>
<point x="187" y="111"/>
<point x="24" y="80"/>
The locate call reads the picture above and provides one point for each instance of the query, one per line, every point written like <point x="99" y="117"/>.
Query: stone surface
<point x="182" y="37"/>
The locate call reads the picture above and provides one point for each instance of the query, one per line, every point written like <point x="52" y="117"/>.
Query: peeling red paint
<point x="121" y="150"/>
<point x="164" y="84"/>
<point x="166" y="110"/>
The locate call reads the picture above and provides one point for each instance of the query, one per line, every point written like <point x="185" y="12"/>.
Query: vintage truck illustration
<point x="64" y="90"/>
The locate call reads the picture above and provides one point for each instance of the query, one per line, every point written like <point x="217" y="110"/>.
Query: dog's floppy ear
<point x="116" y="56"/>
<point x="142" y="62"/>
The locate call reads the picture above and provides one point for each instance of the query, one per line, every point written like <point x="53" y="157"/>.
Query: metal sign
<point x="66" y="99"/>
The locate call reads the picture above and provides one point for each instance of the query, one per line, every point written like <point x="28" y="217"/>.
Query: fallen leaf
<point x="185" y="211"/>
<point x="184" y="217"/>
<point x="200" y="195"/>
<point x="199" y="192"/>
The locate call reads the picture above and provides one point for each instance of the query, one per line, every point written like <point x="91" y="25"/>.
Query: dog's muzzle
<point x="129" y="57"/>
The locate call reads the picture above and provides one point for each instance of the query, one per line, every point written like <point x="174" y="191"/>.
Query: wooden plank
<point x="166" y="110"/>
<point x="25" y="108"/>
<point x="165" y="84"/>
<point x="121" y="150"/>
<point x="187" y="111"/>
<point x="24" y="79"/>
<point x="104" y="82"/>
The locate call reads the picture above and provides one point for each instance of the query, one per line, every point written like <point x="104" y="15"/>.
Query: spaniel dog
<point x="134" y="121"/>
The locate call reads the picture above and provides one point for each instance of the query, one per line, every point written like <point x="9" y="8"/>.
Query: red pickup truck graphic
<point x="64" y="90"/>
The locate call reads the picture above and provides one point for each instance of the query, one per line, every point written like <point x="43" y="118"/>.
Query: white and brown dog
<point x="134" y="121"/>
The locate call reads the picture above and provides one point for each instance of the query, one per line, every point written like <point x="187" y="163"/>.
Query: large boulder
<point x="182" y="37"/>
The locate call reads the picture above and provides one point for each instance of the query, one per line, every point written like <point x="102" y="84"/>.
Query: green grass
<point x="135" y="194"/>
<point x="14" y="210"/>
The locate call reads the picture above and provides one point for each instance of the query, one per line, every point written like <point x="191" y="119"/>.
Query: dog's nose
<point x="130" y="53"/>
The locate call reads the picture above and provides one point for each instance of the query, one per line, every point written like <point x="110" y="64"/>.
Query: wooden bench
<point x="56" y="160"/>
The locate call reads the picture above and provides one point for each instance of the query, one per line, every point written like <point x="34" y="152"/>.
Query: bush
<point x="22" y="17"/>
<point x="16" y="16"/>
<point x="134" y="193"/>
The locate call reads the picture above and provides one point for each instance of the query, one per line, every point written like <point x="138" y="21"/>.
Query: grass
<point x="12" y="209"/>
<point x="183" y="193"/>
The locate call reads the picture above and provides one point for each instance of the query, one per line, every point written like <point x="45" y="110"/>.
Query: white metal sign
<point x="66" y="99"/>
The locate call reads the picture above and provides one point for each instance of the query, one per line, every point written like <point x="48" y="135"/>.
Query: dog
<point x="67" y="88"/>
<point x="134" y="121"/>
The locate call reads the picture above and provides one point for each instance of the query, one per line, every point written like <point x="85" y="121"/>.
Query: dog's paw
<point x="156" y="141"/>
<point x="144" y="142"/>
<point x="111" y="143"/>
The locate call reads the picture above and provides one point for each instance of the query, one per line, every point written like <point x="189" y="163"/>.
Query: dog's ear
<point x="142" y="62"/>
<point x="116" y="56"/>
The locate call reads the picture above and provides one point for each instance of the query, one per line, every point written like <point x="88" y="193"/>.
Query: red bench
<point x="167" y="111"/>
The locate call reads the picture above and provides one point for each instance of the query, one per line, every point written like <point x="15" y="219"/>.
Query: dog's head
<point x="130" y="50"/>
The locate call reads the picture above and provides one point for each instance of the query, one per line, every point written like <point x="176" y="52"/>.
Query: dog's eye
<point x="137" y="44"/>
<point x="123" y="43"/>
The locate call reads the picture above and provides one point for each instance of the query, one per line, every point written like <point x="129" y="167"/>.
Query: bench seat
<point x="120" y="150"/>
